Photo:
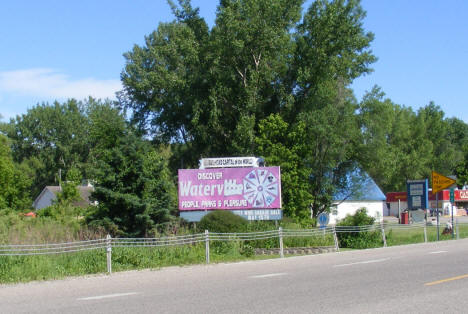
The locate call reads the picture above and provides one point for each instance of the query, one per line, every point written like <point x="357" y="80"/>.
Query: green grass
<point x="398" y="236"/>
<point x="15" y="269"/>
<point x="43" y="267"/>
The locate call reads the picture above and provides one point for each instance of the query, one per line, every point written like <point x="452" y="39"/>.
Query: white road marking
<point x="115" y="295"/>
<point x="363" y="262"/>
<point x="268" y="275"/>
<point x="438" y="252"/>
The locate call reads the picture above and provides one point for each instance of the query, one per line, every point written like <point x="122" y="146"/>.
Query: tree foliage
<point x="267" y="79"/>
<point x="222" y="221"/>
<point x="134" y="189"/>
<point x="399" y="144"/>
<point x="211" y="88"/>
<point x="50" y="139"/>
<point x="14" y="184"/>
<point x="359" y="240"/>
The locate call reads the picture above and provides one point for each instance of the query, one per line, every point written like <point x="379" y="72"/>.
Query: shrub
<point x="222" y="221"/>
<point x="247" y="250"/>
<point x="359" y="240"/>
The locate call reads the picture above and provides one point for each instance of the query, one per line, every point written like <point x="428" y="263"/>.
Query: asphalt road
<point x="418" y="278"/>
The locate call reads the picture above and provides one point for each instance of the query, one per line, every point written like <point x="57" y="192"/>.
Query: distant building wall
<point x="374" y="209"/>
<point x="395" y="199"/>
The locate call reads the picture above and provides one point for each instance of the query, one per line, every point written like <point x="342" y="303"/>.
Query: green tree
<point x="315" y="155"/>
<point x="459" y="136"/>
<point x="280" y="145"/>
<point x="359" y="240"/>
<point x="14" y="184"/>
<point x="252" y="44"/>
<point x="209" y="88"/>
<point x="377" y="155"/>
<point x="446" y="152"/>
<point x="69" y="192"/>
<point x="396" y="143"/>
<point x="134" y="188"/>
<point x="332" y="50"/>
<point x="50" y="138"/>
<point x="461" y="170"/>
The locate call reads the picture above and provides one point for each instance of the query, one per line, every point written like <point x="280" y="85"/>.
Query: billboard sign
<point x="417" y="194"/>
<point x="229" y="188"/>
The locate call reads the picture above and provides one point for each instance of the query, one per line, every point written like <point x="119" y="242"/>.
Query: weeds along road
<point x="418" y="278"/>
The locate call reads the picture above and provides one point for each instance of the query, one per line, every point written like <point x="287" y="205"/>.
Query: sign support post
<point x="452" y="200"/>
<point x="453" y="234"/>
<point x="437" y="213"/>
<point x="439" y="183"/>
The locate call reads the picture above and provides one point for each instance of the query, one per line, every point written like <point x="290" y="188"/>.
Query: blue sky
<point x="55" y="49"/>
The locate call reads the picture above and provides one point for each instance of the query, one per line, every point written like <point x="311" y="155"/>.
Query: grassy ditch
<point x="398" y="236"/>
<point x="56" y="266"/>
<point x="15" y="269"/>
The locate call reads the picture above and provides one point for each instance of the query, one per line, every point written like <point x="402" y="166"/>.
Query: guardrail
<point x="207" y="237"/>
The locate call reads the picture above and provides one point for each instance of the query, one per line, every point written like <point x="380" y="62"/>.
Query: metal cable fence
<point x="158" y="242"/>
<point x="53" y="248"/>
<point x="280" y="239"/>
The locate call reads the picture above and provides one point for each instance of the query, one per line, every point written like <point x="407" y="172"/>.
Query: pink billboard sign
<point x="230" y="188"/>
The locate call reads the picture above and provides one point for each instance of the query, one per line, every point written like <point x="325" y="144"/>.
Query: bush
<point x="359" y="240"/>
<point x="222" y="221"/>
<point x="247" y="250"/>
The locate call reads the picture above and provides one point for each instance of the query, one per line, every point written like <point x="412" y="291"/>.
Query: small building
<point x="362" y="192"/>
<point x="49" y="194"/>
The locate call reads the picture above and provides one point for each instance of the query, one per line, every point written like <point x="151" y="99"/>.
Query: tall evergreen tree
<point x="133" y="187"/>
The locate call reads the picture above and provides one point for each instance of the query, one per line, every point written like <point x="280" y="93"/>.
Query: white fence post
<point x="109" y="254"/>
<point x="335" y="237"/>
<point x="425" y="233"/>
<point x="456" y="224"/>
<point x="207" y="246"/>
<point x="383" y="235"/>
<point x="280" y="233"/>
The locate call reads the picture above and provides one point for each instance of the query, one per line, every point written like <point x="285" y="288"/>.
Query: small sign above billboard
<point x="230" y="162"/>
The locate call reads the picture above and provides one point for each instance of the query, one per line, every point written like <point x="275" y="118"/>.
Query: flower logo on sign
<point x="260" y="188"/>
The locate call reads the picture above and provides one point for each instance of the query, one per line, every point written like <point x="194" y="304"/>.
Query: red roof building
<point x="461" y="202"/>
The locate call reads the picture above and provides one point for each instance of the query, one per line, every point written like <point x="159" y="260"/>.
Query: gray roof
<point x="84" y="191"/>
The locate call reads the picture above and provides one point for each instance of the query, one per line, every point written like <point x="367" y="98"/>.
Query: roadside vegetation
<point x="55" y="266"/>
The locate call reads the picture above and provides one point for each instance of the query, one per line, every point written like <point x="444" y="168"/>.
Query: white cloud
<point x="52" y="84"/>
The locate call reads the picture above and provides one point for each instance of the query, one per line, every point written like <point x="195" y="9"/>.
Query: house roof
<point x="84" y="191"/>
<point x="361" y="187"/>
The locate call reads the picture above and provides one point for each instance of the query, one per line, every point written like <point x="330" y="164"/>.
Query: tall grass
<point x="397" y="236"/>
<point x="15" y="229"/>
<point x="43" y="267"/>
